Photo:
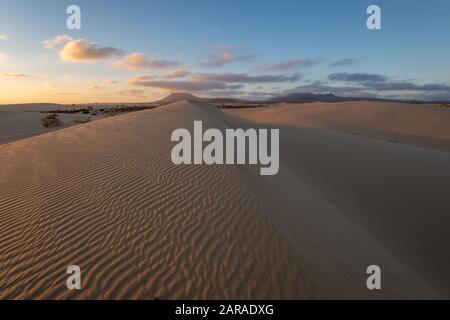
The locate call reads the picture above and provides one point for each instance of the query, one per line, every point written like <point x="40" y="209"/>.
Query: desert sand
<point x="24" y="121"/>
<point x="424" y="125"/>
<point x="105" y="196"/>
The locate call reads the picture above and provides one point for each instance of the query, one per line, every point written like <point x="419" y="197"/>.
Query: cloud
<point x="433" y="96"/>
<point x="223" y="93"/>
<point x="57" y="41"/>
<point x="138" y="61"/>
<point x="367" y="85"/>
<point x="288" y="64"/>
<point x="109" y="82"/>
<point x="320" y="87"/>
<point x="378" y="82"/>
<point x="346" y="62"/>
<point x="67" y="93"/>
<point x="4" y="36"/>
<point x="409" y="86"/>
<point x="176" y="74"/>
<point x="428" y="92"/>
<point x="226" y="54"/>
<point x="356" y="77"/>
<point x="133" y="80"/>
<point x="211" y="83"/>
<point x="95" y="87"/>
<point x="145" y="81"/>
<point x="79" y="50"/>
<point x="23" y="76"/>
<point x="132" y="92"/>
<point x="82" y="50"/>
<point x="15" y="75"/>
<point x="244" y="78"/>
<point x="259" y="95"/>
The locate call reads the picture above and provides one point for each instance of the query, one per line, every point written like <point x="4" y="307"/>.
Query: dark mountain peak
<point x="309" y="97"/>
<point x="180" y="96"/>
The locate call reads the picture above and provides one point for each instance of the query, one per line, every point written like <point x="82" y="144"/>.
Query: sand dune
<point x="105" y="196"/>
<point x="394" y="192"/>
<point x="424" y="125"/>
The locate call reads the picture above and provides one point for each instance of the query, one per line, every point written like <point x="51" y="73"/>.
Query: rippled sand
<point x="106" y="196"/>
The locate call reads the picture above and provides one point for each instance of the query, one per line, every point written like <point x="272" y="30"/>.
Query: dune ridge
<point x="106" y="196"/>
<point x="422" y="125"/>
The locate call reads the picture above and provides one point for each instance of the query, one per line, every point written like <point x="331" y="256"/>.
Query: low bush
<point x="51" y="121"/>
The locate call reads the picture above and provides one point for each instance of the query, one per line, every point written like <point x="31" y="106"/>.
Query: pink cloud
<point x="138" y="61"/>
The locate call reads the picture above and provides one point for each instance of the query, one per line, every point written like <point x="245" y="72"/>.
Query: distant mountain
<point x="310" y="97"/>
<point x="176" y="97"/>
<point x="329" y="97"/>
<point x="290" y="98"/>
<point x="226" y="100"/>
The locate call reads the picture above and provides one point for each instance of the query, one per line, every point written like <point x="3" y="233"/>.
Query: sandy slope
<point x="395" y="192"/>
<point x="106" y="196"/>
<point x="375" y="201"/>
<point x="423" y="125"/>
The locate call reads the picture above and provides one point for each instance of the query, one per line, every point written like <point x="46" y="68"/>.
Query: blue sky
<point x="252" y="49"/>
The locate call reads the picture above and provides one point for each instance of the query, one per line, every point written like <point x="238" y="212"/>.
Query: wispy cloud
<point x="288" y="65"/>
<point x="15" y="75"/>
<point x="132" y="92"/>
<point x="320" y="87"/>
<point x="109" y="82"/>
<point x="226" y="54"/>
<point x="374" y="85"/>
<point x="176" y="74"/>
<point x="55" y="42"/>
<point x="138" y="61"/>
<point x="382" y="83"/>
<point x="356" y="77"/>
<point x="210" y="82"/>
<point x="347" y="62"/>
<point x="145" y="81"/>
<point x="4" y="36"/>
<point x="95" y="87"/>
<point x="244" y="78"/>
<point x="408" y="86"/>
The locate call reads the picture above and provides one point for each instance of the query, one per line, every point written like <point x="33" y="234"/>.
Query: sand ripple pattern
<point x="105" y="196"/>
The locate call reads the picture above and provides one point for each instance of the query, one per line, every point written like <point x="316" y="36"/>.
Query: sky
<point x="137" y="51"/>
